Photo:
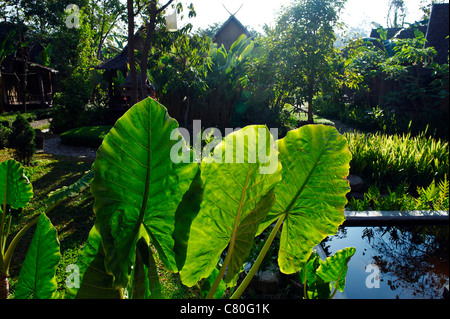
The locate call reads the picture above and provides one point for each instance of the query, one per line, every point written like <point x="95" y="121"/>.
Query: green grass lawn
<point x="88" y="136"/>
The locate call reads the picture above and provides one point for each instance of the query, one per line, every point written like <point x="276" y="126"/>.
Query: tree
<point x="304" y="38"/>
<point x="150" y="7"/>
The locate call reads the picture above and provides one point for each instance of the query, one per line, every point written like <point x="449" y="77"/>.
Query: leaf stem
<point x="237" y="294"/>
<point x="216" y="283"/>
<point x="15" y="241"/>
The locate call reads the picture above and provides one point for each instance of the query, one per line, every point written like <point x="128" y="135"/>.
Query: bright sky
<point x="256" y="13"/>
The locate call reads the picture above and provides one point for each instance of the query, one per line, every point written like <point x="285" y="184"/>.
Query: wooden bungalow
<point x="230" y="31"/>
<point x="24" y="83"/>
<point x="119" y="81"/>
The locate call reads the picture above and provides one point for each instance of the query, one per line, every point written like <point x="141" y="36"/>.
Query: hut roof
<point x="119" y="62"/>
<point x="230" y="31"/>
<point x="438" y="31"/>
<point x="399" y="33"/>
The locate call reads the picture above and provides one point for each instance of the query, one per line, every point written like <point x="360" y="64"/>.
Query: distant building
<point x="24" y="82"/>
<point x="436" y="31"/>
<point x="230" y="31"/>
<point x="119" y="87"/>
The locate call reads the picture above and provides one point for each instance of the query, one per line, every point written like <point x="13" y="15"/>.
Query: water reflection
<point x="412" y="261"/>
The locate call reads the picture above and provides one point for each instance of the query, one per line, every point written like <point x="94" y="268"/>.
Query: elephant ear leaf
<point x="236" y="199"/>
<point x="137" y="187"/>
<point x="90" y="279"/>
<point x="334" y="268"/>
<point x="311" y="196"/>
<point x="37" y="278"/>
<point x="15" y="188"/>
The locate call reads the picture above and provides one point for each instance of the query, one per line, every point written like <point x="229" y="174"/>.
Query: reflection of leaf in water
<point x="367" y="233"/>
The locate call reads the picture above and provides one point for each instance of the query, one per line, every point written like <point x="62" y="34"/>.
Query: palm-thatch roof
<point x="119" y="62"/>
<point x="230" y="31"/>
<point x="435" y="31"/>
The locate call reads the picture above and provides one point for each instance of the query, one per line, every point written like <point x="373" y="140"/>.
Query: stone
<point x="266" y="281"/>
<point x="356" y="182"/>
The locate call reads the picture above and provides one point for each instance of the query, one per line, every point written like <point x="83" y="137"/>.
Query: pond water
<point x="405" y="262"/>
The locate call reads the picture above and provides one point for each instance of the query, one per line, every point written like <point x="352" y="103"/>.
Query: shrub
<point x="433" y="197"/>
<point x="21" y="140"/>
<point x="4" y="136"/>
<point x="390" y="160"/>
<point x="88" y="136"/>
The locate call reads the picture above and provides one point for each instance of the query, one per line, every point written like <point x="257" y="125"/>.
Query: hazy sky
<point x="255" y="13"/>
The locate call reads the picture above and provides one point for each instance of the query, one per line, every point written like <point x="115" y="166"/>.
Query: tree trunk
<point x="4" y="286"/>
<point x="131" y="57"/>
<point x="150" y="30"/>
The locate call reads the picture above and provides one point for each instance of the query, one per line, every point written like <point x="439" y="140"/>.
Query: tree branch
<point x="164" y="7"/>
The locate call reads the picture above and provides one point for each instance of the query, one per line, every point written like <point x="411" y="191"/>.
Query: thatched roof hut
<point x="438" y="31"/>
<point x="435" y="31"/>
<point x="230" y="31"/>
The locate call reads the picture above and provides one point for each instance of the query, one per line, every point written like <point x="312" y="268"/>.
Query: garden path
<point x="53" y="144"/>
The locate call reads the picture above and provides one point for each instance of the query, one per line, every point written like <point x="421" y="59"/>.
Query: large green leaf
<point x="93" y="280"/>
<point x="237" y="195"/>
<point x="37" y="277"/>
<point x="137" y="186"/>
<point x="311" y="197"/>
<point x="61" y="194"/>
<point x="15" y="188"/>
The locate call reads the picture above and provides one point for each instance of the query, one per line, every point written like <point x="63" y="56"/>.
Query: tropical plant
<point x="319" y="275"/>
<point x="390" y="160"/>
<point x="226" y="81"/>
<point x="152" y="199"/>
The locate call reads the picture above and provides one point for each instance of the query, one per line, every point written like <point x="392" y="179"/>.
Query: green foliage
<point x="391" y="160"/>
<point x="197" y="80"/>
<point x="319" y="276"/>
<point x="21" y="140"/>
<point x="302" y="151"/>
<point x="16" y="192"/>
<point x="433" y="197"/>
<point x="188" y="214"/>
<point x="136" y="155"/>
<point x="232" y="208"/>
<point x="37" y="277"/>
<point x="302" y="44"/>
<point x="411" y="85"/>
<point x="88" y="136"/>
<point x="5" y="132"/>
